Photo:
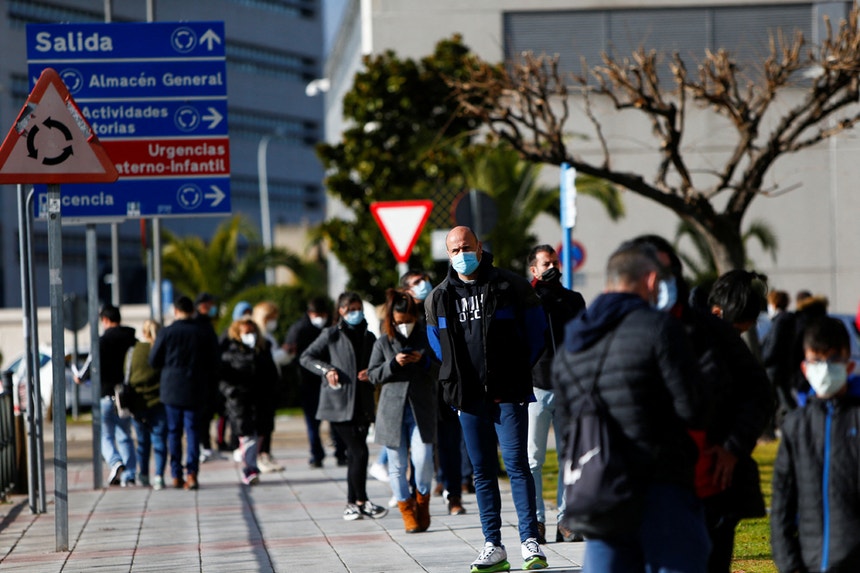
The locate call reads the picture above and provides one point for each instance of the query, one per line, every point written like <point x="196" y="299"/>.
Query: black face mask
<point x="551" y="275"/>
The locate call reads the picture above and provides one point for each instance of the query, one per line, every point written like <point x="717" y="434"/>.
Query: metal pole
<point x="55" y="284"/>
<point x="475" y="205"/>
<point x="95" y="351"/>
<point x="114" y="260"/>
<point x="265" y="219"/>
<point x="36" y="394"/>
<point x="157" y="303"/>
<point x="28" y="350"/>
<point x="567" y="196"/>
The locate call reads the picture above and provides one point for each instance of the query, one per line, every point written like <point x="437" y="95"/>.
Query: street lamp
<point x="265" y="217"/>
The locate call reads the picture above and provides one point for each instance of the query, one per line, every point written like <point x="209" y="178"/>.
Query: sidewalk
<point x="290" y="522"/>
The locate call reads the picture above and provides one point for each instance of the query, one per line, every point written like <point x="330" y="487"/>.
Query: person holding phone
<point x="406" y="413"/>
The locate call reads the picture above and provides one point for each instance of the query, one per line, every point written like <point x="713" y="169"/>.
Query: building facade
<point x="274" y="49"/>
<point x="812" y="206"/>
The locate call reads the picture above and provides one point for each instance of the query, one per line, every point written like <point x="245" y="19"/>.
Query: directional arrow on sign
<point x="401" y="223"/>
<point x="217" y="195"/>
<point x="210" y="38"/>
<point x="214" y="117"/>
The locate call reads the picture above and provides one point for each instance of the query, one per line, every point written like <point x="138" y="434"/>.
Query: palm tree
<point x="520" y="198"/>
<point x="232" y="261"/>
<point x="702" y="265"/>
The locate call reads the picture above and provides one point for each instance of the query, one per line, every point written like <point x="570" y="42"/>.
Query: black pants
<point x="721" y="529"/>
<point x="354" y="436"/>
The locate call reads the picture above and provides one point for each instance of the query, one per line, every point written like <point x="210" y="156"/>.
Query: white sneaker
<point x="158" y="483"/>
<point x="393" y="501"/>
<point x="267" y="464"/>
<point x="533" y="556"/>
<point x="491" y="559"/>
<point x="237" y="455"/>
<point x="379" y="471"/>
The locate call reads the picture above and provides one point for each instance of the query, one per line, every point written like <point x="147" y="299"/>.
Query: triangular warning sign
<point x="401" y="223"/>
<point x="51" y="141"/>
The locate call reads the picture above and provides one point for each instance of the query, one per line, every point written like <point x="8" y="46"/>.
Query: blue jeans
<point x="398" y="459"/>
<point x="151" y="437"/>
<point x="542" y="412"/>
<point x="177" y="420"/>
<point x="671" y="539"/>
<point x="507" y="423"/>
<point x="117" y="442"/>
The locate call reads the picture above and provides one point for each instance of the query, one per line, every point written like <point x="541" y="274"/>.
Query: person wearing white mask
<point x="406" y="412"/>
<point x="340" y="356"/>
<point x="266" y="314"/>
<point x="814" y="513"/>
<point x="246" y="370"/>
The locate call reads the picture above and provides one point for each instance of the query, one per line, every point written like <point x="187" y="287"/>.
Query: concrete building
<point x="274" y="50"/>
<point x="813" y="207"/>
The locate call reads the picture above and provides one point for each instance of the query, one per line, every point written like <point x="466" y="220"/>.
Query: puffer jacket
<point x="648" y="383"/>
<point x="815" y="511"/>
<point x="243" y="377"/>
<point x="513" y="324"/>
<point x="353" y="401"/>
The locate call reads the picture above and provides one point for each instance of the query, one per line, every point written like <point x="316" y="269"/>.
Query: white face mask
<point x="771" y="311"/>
<point x="249" y="339"/>
<point x="826" y="378"/>
<point x="271" y="325"/>
<point x="405" y="328"/>
<point x="318" y="321"/>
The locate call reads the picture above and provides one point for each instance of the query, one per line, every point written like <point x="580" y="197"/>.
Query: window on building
<point x="297" y="8"/>
<point x="254" y="125"/>
<point x="260" y="60"/>
<point x="23" y="12"/>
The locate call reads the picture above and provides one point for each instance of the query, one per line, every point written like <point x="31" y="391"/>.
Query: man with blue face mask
<point x="487" y="327"/>
<point x="814" y="512"/>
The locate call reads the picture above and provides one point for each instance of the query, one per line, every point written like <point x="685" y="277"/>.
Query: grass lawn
<point x="752" y="541"/>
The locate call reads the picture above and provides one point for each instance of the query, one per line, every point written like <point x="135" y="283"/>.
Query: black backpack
<point x="602" y="496"/>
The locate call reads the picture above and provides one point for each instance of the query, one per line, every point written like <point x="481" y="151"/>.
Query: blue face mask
<point x="213" y="311"/>
<point x="422" y="290"/>
<point x="465" y="263"/>
<point x="667" y="294"/>
<point x="353" y="317"/>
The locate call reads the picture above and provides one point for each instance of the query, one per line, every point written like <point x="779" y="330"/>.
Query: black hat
<point x="203" y="297"/>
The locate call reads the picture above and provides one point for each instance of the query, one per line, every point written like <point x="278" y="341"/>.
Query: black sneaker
<point x="373" y="511"/>
<point x="352" y="512"/>
<point x="115" y="471"/>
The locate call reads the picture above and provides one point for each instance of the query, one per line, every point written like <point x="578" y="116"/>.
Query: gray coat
<point x="353" y="402"/>
<point x="415" y="382"/>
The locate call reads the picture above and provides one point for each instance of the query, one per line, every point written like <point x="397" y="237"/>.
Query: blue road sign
<point x="145" y="88"/>
<point x="170" y="198"/>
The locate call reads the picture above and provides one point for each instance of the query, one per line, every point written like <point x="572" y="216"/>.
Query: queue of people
<point x="499" y="359"/>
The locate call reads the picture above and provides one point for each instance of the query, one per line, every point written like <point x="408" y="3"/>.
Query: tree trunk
<point x="725" y="242"/>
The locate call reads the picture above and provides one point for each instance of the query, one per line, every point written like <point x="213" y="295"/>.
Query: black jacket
<point x="561" y="305"/>
<point x="811" y="531"/>
<point x="648" y="382"/>
<point x="187" y="355"/>
<point x="301" y="334"/>
<point x="777" y="350"/>
<point x="512" y="337"/>
<point x="113" y="345"/>
<point x="244" y="376"/>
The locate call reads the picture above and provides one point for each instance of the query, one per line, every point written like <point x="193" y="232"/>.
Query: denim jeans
<point x="178" y="419"/>
<point x="151" y="435"/>
<point x="117" y="442"/>
<point x="671" y="539"/>
<point x="398" y="459"/>
<point x="542" y="412"/>
<point x="507" y="423"/>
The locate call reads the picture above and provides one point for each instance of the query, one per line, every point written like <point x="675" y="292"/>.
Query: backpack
<point x="603" y="498"/>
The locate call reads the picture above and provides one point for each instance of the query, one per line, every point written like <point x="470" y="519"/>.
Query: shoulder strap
<point x="593" y="389"/>
<point x="128" y="357"/>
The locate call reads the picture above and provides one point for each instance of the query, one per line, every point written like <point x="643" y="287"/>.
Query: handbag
<point x="602" y="496"/>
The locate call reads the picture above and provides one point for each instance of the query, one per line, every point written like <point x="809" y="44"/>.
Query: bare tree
<point x="526" y="103"/>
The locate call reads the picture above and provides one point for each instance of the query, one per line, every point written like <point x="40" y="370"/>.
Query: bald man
<point x="487" y="327"/>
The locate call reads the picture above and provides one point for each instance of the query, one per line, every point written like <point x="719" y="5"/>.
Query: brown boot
<point x="407" y="510"/>
<point x="191" y="481"/>
<point x="422" y="511"/>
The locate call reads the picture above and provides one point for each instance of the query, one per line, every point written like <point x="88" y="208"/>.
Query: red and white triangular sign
<point x="401" y="223"/>
<point x="51" y="141"/>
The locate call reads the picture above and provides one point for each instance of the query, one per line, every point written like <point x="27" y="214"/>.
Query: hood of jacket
<point x="602" y="316"/>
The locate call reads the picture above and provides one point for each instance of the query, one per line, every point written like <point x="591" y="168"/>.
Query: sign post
<point x="568" y="221"/>
<point x="401" y="223"/>
<point x="51" y="142"/>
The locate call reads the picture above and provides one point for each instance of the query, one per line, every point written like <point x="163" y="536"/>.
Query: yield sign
<point x="401" y="223"/>
<point x="51" y="141"/>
